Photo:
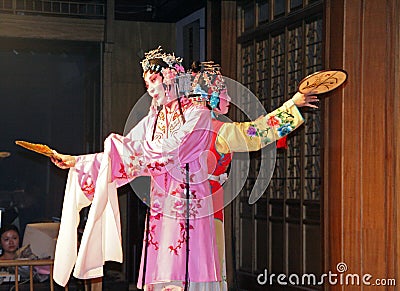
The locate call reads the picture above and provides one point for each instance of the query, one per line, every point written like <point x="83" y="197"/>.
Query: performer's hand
<point x="63" y="161"/>
<point x="301" y="100"/>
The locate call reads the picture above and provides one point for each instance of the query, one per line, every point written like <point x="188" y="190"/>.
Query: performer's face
<point x="155" y="87"/>
<point x="224" y="102"/>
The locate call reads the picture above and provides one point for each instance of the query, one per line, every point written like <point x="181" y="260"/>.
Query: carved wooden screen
<point x="279" y="43"/>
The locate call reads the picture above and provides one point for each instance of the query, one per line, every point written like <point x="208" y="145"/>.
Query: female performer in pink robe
<point x="168" y="145"/>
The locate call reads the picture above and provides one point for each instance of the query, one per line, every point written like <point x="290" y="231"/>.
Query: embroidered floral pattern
<point x="156" y="210"/>
<point x="155" y="214"/>
<point x="284" y="129"/>
<point x="254" y="131"/>
<point x="88" y="188"/>
<point x="179" y="210"/>
<point x="134" y="166"/>
<point x="172" y="117"/>
<point x="156" y="166"/>
<point x="273" y="121"/>
<point x="282" y="122"/>
<point x="122" y="171"/>
<point x="286" y="124"/>
<point x="179" y="207"/>
<point x="182" y="239"/>
<point x="151" y="240"/>
<point x="251" y="131"/>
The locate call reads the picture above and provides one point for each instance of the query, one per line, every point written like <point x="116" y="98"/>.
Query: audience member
<point x="9" y="242"/>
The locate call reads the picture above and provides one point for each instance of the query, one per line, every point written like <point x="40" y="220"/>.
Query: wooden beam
<point x="58" y="28"/>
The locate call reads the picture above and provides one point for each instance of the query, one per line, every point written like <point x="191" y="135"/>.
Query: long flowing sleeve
<point x="66" y="249"/>
<point x="196" y="127"/>
<point x="87" y="166"/>
<point x="132" y="158"/>
<point x="132" y="155"/>
<point x="253" y="135"/>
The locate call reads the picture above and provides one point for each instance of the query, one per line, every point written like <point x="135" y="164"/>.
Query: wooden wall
<point x="362" y="140"/>
<point x="131" y="40"/>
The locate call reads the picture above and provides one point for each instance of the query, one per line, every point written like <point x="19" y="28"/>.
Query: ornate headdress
<point x="208" y="83"/>
<point x="171" y="69"/>
<point x="171" y="60"/>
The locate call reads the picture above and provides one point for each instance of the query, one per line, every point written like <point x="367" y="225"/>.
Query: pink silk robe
<point x="164" y="158"/>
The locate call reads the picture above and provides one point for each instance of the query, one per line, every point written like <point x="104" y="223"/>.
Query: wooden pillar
<point x="228" y="38"/>
<point x="107" y="71"/>
<point x="214" y="31"/>
<point x="228" y="66"/>
<point x="396" y="137"/>
<point x="361" y="141"/>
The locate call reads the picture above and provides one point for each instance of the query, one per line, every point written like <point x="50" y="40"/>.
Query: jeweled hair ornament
<point x="171" y="60"/>
<point x="210" y="76"/>
<point x="208" y="83"/>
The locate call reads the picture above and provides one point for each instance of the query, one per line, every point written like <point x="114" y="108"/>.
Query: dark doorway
<point x="50" y="94"/>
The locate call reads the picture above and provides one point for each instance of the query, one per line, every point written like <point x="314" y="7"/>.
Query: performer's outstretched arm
<point x="253" y="135"/>
<point x="132" y="158"/>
